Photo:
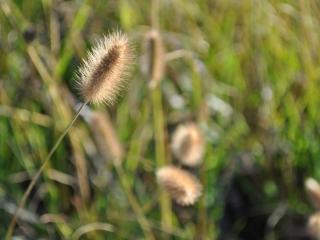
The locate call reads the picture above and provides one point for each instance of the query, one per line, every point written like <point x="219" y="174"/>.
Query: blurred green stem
<point x="134" y="203"/>
<point x="197" y="101"/>
<point x="37" y="175"/>
<point x="158" y="118"/>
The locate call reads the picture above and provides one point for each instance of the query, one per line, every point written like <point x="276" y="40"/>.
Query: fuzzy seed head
<point x="188" y="144"/>
<point x="182" y="186"/>
<point x="103" y="73"/>
<point x="313" y="190"/>
<point x="313" y="226"/>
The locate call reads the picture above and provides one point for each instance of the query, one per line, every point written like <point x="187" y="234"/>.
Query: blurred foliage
<point x="247" y="71"/>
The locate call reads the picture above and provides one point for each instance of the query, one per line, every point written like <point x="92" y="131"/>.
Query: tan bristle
<point x="182" y="186"/>
<point x="313" y="226"/>
<point x="188" y="144"/>
<point x="103" y="73"/>
<point x="313" y="190"/>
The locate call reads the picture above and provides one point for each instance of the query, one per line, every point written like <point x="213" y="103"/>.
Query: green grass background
<point x="249" y="74"/>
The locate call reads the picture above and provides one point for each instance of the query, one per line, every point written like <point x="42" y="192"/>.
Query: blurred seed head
<point x="188" y="144"/>
<point x="102" y="75"/>
<point x="182" y="186"/>
<point x="313" y="190"/>
<point x="313" y="226"/>
<point x="153" y="59"/>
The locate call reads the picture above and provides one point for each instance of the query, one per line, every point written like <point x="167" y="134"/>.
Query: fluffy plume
<point x="182" y="186"/>
<point x="314" y="225"/>
<point x="188" y="144"/>
<point x="313" y="190"/>
<point x="102" y="75"/>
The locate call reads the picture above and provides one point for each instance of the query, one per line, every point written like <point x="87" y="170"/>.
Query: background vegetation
<point x="246" y="71"/>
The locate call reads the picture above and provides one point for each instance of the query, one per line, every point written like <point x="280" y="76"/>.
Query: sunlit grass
<point x="246" y="71"/>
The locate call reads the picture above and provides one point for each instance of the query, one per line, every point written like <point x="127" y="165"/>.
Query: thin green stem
<point x="37" y="175"/>
<point x="158" y="118"/>
<point x="134" y="203"/>
<point x="197" y="101"/>
<point x="155" y="14"/>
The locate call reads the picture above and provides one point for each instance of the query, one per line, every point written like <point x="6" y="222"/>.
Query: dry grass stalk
<point x="106" y="137"/>
<point x="81" y="167"/>
<point x="154" y="60"/>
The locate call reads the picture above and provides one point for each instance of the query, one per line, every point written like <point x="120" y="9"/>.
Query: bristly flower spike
<point x="101" y="78"/>
<point x="103" y="73"/>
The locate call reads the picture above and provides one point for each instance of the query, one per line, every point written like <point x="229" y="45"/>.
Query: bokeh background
<point x="247" y="72"/>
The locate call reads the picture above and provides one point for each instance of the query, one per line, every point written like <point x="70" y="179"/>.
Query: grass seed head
<point x="313" y="190"/>
<point x="188" y="144"/>
<point x="103" y="73"/>
<point x="313" y="226"/>
<point x="182" y="186"/>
